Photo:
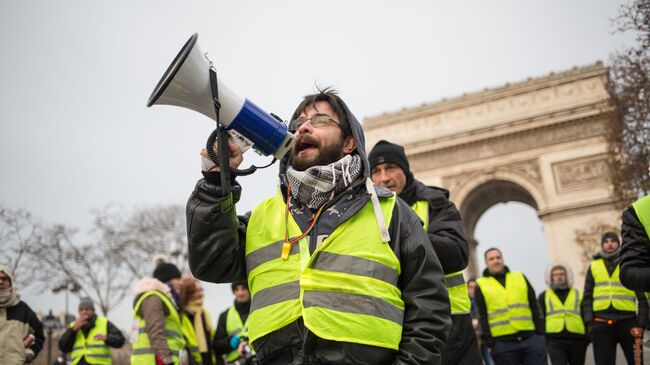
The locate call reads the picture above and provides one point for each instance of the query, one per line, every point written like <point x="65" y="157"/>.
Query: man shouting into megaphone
<point x="339" y="270"/>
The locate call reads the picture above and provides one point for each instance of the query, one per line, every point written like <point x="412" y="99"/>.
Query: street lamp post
<point x="51" y="324"/>
<point x="69" y="286"/>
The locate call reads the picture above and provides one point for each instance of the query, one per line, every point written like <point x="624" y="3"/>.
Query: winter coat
<point x="114" y="337"/>
<point x="611" y="313"/>
<point x="16" y="323"/>
<point x="154" y="312"/>
<point x="635" y="253"/>
<point x="486" y="335"/>
<point x="221" y="344"/>
<point x="445" y="228"/>
<point x="217" y="254"/>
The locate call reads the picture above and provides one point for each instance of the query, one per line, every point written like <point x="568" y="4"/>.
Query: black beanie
<point x="166" y="271"/>
<point x="234" y="285"/>
<point x="386" y="152"/>
<point x="611" y="235"/>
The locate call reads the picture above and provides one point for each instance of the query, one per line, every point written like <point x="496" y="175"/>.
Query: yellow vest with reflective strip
<point x="508" y="309"/>
<point x="142" y="353"/>
<point x="642" y="210"/>
<point x="235" y="327"/>
<point x="564" y="315"/>
<point x="95" y="351"/>
<point x="609" y="290"/>
<point x="346" y="291"/>
<point x="190" y="338"/>
<point x="456" y="286"/>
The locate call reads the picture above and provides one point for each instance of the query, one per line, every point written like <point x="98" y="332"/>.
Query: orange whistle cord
<point x="286" y="247"/>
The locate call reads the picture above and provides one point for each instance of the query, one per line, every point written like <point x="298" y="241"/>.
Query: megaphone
<point x="187" y="84"/>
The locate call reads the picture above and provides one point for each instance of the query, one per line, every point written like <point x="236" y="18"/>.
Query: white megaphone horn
<point x="187" y="84"/>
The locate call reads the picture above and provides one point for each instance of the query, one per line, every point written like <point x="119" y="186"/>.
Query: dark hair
<point x="331" y="96"/>
<point x="491" y="249"/>
<point x="188" y="288"/>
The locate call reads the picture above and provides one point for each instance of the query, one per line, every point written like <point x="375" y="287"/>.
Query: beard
<point x="324" y="156"/>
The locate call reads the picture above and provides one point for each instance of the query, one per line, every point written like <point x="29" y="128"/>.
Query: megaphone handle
<point x="223" y="158"/>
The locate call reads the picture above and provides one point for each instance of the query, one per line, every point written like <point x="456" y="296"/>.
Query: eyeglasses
<point x="317" y="121"/>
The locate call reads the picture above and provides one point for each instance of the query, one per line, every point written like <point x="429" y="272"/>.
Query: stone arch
<point x="541" y="142"/>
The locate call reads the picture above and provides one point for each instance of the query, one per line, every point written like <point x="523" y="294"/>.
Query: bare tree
<point x="19" y="230"/>
<point x="145" y="234"/>
<point x="63" y="257"/>
<point x="629" y="87"/>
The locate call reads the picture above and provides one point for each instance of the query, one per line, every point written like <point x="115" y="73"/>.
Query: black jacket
<point x="114" y="337"/>
<point x="217" y="237"/>
<point x="445" y="229"/>
<point x="635" y="253"/>
<point x="486" y="335"/>
<point x="588" y="312"/>
<point x="564" y="336"/>
<point x="221" y="343"/>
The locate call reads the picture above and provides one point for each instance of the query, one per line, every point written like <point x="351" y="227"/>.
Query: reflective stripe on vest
<point x="346" y="291"/>
<point x="508" y="309"/>
<point x="190" y="338"/>
<point x="235" y="327"/>
<point x="564" y="315"/>
<point x="142" y="352"/>
<point x="95" y="351"/>
<point x="642" y="210"/>
<point x="609" y="290"/>
<point x="456" y="286"/>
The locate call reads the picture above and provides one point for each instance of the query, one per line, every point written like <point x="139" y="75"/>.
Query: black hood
<point x="357" y="134"/>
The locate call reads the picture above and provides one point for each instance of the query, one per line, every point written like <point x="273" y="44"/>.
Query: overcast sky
<point x="75" y="134"/>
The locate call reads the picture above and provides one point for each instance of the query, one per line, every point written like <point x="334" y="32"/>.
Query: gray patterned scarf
<point x="318" y="184"/>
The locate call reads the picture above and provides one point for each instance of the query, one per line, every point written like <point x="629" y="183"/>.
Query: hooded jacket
<point x="564" y="336"/>
<point x="17" y="321"/>
<point x="611" y="313"/>
<point x="635" y="253"/>
<point x="486" y="335"/>
<point x="154" y="311"/>
<point x="216" y="237"/>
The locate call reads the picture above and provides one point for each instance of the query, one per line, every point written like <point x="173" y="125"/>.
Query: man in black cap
<point x="609" y="309"/>
<point x="156" y="333"/>
<point x="232" y="328"/>
<point x="89" y="337"/>
<point x="390" y="168"/>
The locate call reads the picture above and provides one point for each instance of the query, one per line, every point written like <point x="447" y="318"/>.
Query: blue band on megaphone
<point x="266" y="132"/>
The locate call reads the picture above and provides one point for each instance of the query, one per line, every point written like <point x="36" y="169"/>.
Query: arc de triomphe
<point x="540" y="142"/>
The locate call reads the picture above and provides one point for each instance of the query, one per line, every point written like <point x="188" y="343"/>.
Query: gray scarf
<point x="9" y="298"/>
<point x="318" y="184"/>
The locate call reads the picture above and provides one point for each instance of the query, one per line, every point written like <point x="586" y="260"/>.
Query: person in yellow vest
<point x="232" y="327"/>
<point x="89" y="337"/>
<point x="156" y="333"/>
<point x="197" y="323"/>
<point x="635" y="251"/>
<point x="560" y="305"/>
<point x="390" y="169"/>
<point x="339" y="270"/>
<point x="609" y="309"/>
<point x="509" y="316"/>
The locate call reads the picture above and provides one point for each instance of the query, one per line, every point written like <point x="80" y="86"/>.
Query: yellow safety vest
<point x="508" y="309"/>
<point x="142" y="353"/>
<point x="346" y="291"/>
<point x="456" y="286"/>
<point x="642" y="210"/>
<point x="95" y="351"/>
<point x="609" y="290"/>
<point x="235" y="327"/>
<point x="564" y="315"/>
<point x="190" y="338"/>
